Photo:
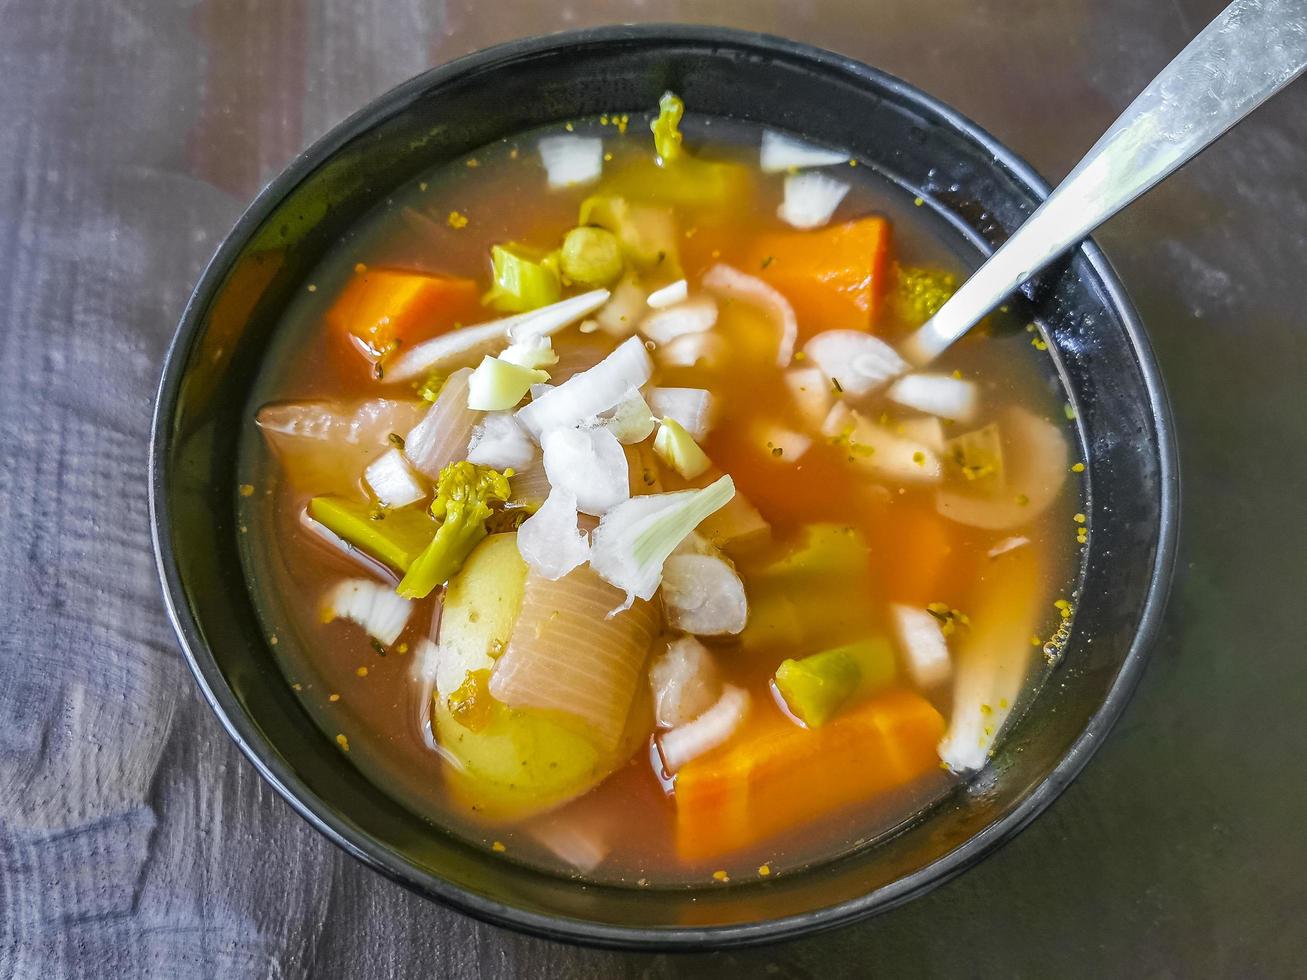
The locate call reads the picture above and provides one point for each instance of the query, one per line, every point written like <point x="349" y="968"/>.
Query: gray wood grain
<point x="134" y="840"/>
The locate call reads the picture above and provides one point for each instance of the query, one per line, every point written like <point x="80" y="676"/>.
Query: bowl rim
<point x="259" y="751"/>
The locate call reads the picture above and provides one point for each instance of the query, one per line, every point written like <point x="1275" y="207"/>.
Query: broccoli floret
<point x="464" y="494"/>
<point x="923" y="291"/>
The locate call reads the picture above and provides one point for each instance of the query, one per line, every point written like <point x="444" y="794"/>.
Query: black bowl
<point x="982" y="189"/>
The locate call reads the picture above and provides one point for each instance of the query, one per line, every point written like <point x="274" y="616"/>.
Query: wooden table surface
<point x="134" y="839"/>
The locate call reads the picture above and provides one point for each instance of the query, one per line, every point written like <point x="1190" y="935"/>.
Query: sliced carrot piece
<point x="775" y="776"/>
<point x="833" y="277"/>
<point x="380" y="309"/>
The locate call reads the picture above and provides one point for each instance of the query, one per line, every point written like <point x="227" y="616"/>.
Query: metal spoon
<point x="1243" y="57"/>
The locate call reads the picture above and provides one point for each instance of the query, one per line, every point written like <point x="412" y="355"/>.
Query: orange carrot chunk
<point x="775" y="776"/>
<point x="381" y="309"/>
<point x="833" y="277"/>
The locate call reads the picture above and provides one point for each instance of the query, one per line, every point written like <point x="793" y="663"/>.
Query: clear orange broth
<point x="504" y="198"/>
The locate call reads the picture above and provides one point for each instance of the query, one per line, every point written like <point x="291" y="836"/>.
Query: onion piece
<point x="812" y="393"/>
<point x="692" y="316"/>
<point x="703" y="594"/>
<point x="635" y="538"/>
<point x="591" y="392"/>
<point x="1006" y="545"/>
<point x="498" y="385"/>
<point x="500" y="443"/>
<point x="925" y="429"/>
<point x="529" y="486"/>
<point x="991" y="660"/>
<point x="677" y="449"/>
<point x="685" y="682"/>
<point x="734" y="284"/>
<point x="442" y="436"/>
<point x="922" y="643"/>
<point x="548" y="320"/>
<point x="1035" y="453"/>
<point x="534" y="353"/>
<point x="877" y="450"/>
<point x="392" y="480"/>
<point x="857" y="362"/>
<point x="621" y="315"/>
<point x="707" y="732"/>
<point x="581" y="841"/>
<point x="631" y="421"/>
<point x="669" y="295"/>
<point x="691" y="407"/>
<point x="737" y="527"/>
<point x="550" y="541"/>
<point x="937" y="394"/>
<point x="780" y="152"/>
<point x="692" y="349"/>
<point x="322" y="445"/>
<point x="375" y="607"/>
<point x="457" y="348"/>
<point x="810" y="199"/>
<point x="590" y="464"/>
<point x="426" y="658"/>
<point x="571" y="160"/>
<point x="566" y="653"/>
<point x="780" y="444"/>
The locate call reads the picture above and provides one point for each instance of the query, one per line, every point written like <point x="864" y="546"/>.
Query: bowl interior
<point x="979" y="187"/>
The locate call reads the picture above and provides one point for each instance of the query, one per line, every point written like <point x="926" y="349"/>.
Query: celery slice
<point x="395" y="540"/>
<point x="817" y="686"/>
<point x="522" y="282"/>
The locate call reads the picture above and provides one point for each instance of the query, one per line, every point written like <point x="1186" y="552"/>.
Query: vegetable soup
<point x="591" y="508"/>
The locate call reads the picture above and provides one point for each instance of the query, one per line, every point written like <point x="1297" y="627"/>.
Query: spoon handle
<point x="1243" y="57"/>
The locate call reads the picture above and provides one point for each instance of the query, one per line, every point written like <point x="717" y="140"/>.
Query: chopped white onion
<point x="631" y="420"/>
<point x="703" y="594"/>
<point x="685" y="682"/>
<point x="528" y="486"/>
<point x="579" y="842"/>
<point x="734" y="284"/>
<point x="925" y="429"/>
<point x="669" y="295"/>
<point x="466" y="346"/>
<point x="548" y="320"/>
<point x="392" y="480"/>
<point x="858" y="362"/>
<point x="812" y="393"/>
<point x="692" y="349"/>
<point x="780" y="152"/>
<point x="1006" y="545"/>
<point x="534" y="352"/>
<point x="691" y="407"/>
<point x="441" y="437"/>
<point x="876" y="449"/>
<point x="1036" y="455"/>
<point x="621" y="315"/>
<point x="737" y="527"/>
<point x="550" y="541"/>
<point x="457" y="348"/>
<point x="634" y="539"/>
<point x="499" y="442"/>
<point x="810" y="199"/>
<point x="705" y="733"/>
<point x="689" y="317"/>
<point x="590" y="464"/>
<point x="937" y="394"/>
<point x="374" y="606"/>
<point x="591" y="392"/>
<point x="991" y="660"/>
<point x="780" y="444"/>
<point x="571" y="160"/>
<point x="922" y="643"/>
